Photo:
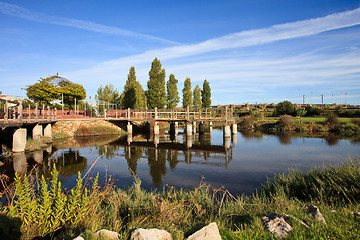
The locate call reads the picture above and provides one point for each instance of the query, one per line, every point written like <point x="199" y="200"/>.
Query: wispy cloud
<point x="20" y="12"/>
<point x="279" y="32"/>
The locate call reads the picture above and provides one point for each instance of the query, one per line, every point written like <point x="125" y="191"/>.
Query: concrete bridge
<point x="19" y="122"/>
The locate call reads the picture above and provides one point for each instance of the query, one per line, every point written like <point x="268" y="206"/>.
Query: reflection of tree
<point x="67" y="163"/>
<point x="132" y="155"/>
<point x="157" y="164"/>
<point x="332" y="139"/>
<point x="251" y="134"/>
<point x="172" y="157"/>
<point x="109" y="151"/>
<point x="285" y="138"/>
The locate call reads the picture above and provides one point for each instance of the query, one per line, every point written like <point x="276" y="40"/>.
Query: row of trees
<point x="159" y="94"/>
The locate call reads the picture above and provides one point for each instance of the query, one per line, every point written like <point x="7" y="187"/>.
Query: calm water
<point x="241" y="169"/>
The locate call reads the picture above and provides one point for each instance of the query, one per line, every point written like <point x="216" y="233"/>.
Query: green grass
<point x="334" y="190"/>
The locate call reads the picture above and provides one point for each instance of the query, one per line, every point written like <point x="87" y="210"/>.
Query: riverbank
<point x="52" y="214"/>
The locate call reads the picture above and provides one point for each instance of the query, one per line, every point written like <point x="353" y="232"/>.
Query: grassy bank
<point x="53" y="213"/>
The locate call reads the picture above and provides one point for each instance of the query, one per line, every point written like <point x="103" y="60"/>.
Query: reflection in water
<point x="181" y="161"/>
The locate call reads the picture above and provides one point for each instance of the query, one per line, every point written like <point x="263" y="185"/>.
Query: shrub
<point x="313" y="111"/>
<point x="286" y="122"/>
<point x="349" y="129"/>
<point x="285" y="108"/>
<point x="332" y="121"/>
<point x="247" y="122"/>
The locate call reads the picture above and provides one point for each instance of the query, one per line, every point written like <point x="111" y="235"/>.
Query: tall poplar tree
<point x="172" y="93"/>
<point x="206" y="95"/>
<point x="197" y="97"/>
<point x="156" y="95"/>
<point x="134" y="94"/>
<point x="187" y="93"/>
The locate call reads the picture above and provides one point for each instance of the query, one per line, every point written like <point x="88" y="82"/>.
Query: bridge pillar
<point x="174" y="128"/>
<point x="234" y="128"/>
<point x="201" y="128"/>
<point x="188" y="129"/>
<point x="226" y="131"/>
<point x="189" y="141"/>
<point x="194" y="127"/>
<point x="47" y="130"/>
<point x="37" y="131"/>
<point x="234" y="139"/>
<point x="210" y="127"/>
<point x="19" y="140"/>
<point x="19" y="162"/>
<point x="156" y="140"/>
<point x="129" y="128"/>
<point x="156" y="129"/>
<point x="129" y="138"/>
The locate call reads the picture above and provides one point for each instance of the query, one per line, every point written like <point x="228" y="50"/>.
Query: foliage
<point x="286" y="122"/>
<point x="206" y="95"/>
<point x="71" y="92"/>
<point x="43" y="91"/>
<point x="248" y="122"/>
<point x="134" y="94"/>
<point x="187" y="93"/>
<point x="156" y="95"/>
<point x="285" y="107"/>
<point x="313" y="111"/>
<point x="331" y="185"/>
<point x="107" y="94"/>
<point x="172" y="93"/>
<point x="348" y="129"/>
<point x="197" y="97"/>
<point x="332" y="121"/>
<point x="49" y="209"/>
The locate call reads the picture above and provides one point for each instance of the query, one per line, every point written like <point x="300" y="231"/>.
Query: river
<point x="184" y="163"/>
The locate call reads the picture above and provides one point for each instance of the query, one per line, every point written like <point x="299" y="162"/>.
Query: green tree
<point x="172" y="96"/>
<point x="197" y="97"/>
<point x="285" y="107"/>
<point x="134" y="94"/>
<point x="107" y="95"/>
<point x="187" y="93"/>
<point x="206" y="95"/>
<point x="156" y="95"/>
<point x="43" y="91"/>
<point x="72" y="91"/>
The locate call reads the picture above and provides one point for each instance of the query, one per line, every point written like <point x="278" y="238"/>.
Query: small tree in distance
<point x="197" y="97"/>
<point x="172" y="93"/>
<point x="206" y="95"/>
<point x="187" y="93"/>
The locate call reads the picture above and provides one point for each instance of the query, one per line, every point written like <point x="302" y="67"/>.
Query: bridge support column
<point x="174" y="128"/>
<point x="201" y="128"/>
<point x="194" y="127"/>
<point x="189" y="141"/>
<point x="19" y="140"/>
<point x="188" y="129"/>
<point x="227" y="142"/>
<point x="156" y="129"/>
<point x="226" y="131"/>
<point x="129" y="138"/>
<point x="156" y="140"/>
<point x="234" y="128"/>
<point x="37" y="131"/>
<point x="47" y="130"/>
<point x="129" y="128"/>
<point x="210" y="127"/>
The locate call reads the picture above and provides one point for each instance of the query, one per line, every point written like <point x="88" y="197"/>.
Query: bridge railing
<point x="221" y="113"/>
<point x="13" y="112"/>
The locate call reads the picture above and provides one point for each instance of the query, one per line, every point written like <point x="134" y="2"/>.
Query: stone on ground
<point x="316" y="214"/>
<point x="106" y="234"/>
<point x="150" y="234"/>
<point x="276" y="224"/>
<point x="209" y="232"/>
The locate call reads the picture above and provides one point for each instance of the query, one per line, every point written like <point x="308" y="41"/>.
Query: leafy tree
<point x="197" y="97"/>
<point x="107" y="94"/>
<point x="156" y="95"/>
<point x="43" y="91"/>
<point x="172" y="96"/>
<point x="72" y="91"/>
<point x="187" y="93"/>
<point x="285" y="107"/>
<point x="134" y="94"/>
<point x="206" y="95"/>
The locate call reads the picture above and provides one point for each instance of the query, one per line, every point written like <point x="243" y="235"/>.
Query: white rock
<point x="315" y="213"/>
<point x="79" y="238"/>
<point x="209" y="232"/>
<point x="276" y="224"/>
<point x="106" y="234"/>
<point x="150" y="234"/>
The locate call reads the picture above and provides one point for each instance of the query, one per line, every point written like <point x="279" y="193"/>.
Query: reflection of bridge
<point x="17" y="123"/>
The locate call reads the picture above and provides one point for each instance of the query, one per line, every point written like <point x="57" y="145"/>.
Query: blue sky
<point x="251" y="51"/>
